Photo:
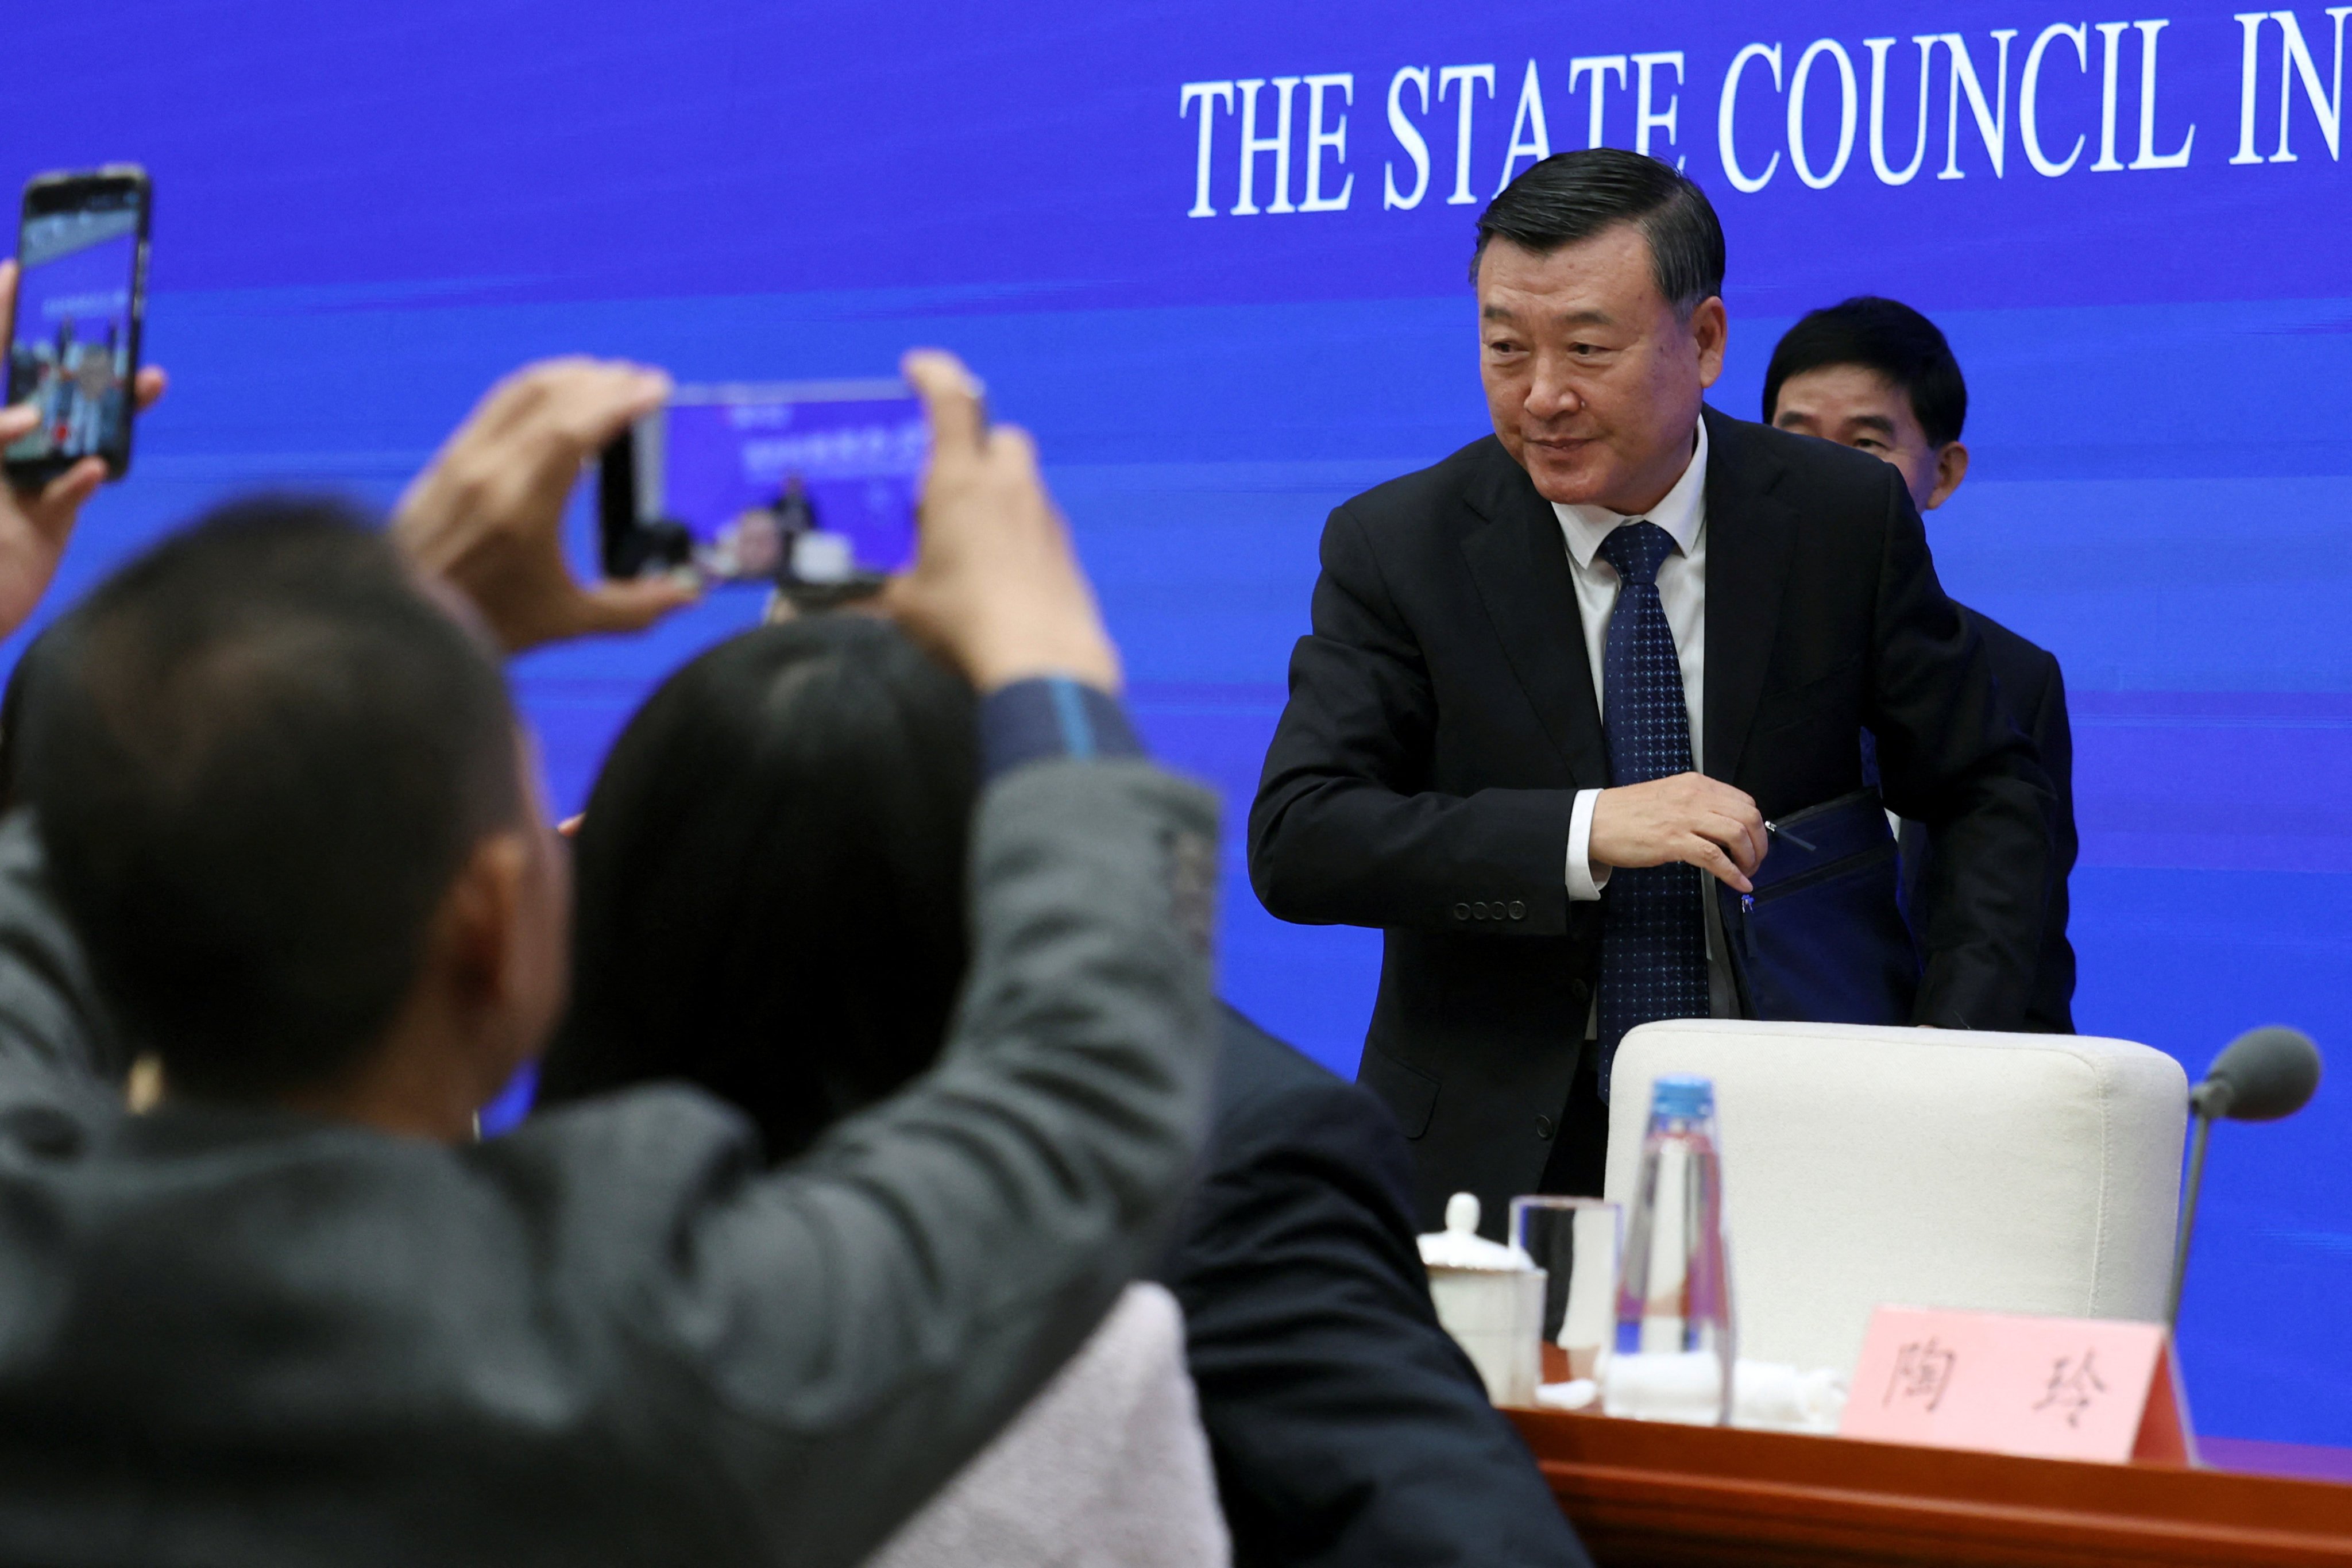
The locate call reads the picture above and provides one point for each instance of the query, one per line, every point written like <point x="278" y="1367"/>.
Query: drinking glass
<point x="1574" y="1241"/>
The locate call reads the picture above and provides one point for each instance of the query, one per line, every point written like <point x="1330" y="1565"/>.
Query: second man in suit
<point x="1878" y="376"/>
<point x="1560" y="679"/>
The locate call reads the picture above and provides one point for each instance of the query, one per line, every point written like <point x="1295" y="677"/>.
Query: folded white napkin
<point x="1777" y="1396"/>
<point x="1682" y="1387"/>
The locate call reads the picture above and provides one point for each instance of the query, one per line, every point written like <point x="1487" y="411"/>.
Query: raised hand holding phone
<point x="487" y="514"/>
<point x="37" y="521"/>
<point x="996" y="587"/>
<point x="76" y="314"/>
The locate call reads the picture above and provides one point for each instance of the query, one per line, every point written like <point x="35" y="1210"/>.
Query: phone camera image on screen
<point x="73" y="347"/>
<point x="808" y="486"/>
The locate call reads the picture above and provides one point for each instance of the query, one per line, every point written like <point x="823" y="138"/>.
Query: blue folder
<point x="1822" y="939"/>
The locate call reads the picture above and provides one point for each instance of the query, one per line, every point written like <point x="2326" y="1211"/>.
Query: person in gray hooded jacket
<point x="292" y="1315"/>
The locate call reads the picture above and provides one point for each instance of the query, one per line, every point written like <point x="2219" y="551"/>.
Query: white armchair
<point x="1929" y="1168"/>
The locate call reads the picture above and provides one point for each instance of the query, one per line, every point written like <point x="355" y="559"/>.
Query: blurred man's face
<point x="1860" y="407"/>
<point x="1592" y="381"/>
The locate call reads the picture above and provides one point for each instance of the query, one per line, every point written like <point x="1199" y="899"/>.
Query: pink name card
<point x="2058" y="1388"/>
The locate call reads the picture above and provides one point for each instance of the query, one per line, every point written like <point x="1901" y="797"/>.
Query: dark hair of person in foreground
<point x="259" y="757"/>
<point x="770" y="878"/>
<point x="12" y="720"/>
<point x="1886" y="336"/>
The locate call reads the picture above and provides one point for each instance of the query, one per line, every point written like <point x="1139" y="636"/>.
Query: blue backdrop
<point x="2133" y="230"/>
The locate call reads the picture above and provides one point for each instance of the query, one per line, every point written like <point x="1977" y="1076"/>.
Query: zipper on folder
<point x="1882" y="850"/>
<point x="1826" y="808"/>
<point x="1747" y="923"/>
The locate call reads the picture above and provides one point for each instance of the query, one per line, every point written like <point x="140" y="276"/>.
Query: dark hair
<point x="259" y="756"/>
<point x="12" y="720"/>
<point x="1572" y="196"/>
<point x="1888" y="337"/>
<point x="771" y="879"/>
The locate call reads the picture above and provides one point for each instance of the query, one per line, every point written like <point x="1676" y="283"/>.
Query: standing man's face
<point x="1860" y="407"/>
<point x="1592" y="381"/>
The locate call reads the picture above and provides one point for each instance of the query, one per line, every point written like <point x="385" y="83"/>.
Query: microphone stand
<point x="2200" y="1107"/>
<point x="2264" y="1074"/>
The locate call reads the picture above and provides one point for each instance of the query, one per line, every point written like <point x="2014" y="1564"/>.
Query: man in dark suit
<point x="1347" y="1426"/>
<point x="1560" y="679"/>
<point x="1877" y="376"/>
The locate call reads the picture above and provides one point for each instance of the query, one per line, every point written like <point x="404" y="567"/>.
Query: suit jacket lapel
<point x="1750" y="538"/>
<point x="1518" y="560"/>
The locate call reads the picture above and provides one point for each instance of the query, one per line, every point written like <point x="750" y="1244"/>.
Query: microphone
<point x="2262" y="1074"/>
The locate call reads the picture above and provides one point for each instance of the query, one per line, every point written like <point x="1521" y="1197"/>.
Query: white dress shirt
<point x="1682" y="592"/>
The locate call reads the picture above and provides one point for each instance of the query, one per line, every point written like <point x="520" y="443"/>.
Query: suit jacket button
<point x="1543" y="1127"/>
<point x="1478" y="911"/>
<point x="1460" y="911"/>
<point x="1518" y="911"/>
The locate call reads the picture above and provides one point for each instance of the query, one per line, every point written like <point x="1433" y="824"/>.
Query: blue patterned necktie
<point x="1653" y="925"/>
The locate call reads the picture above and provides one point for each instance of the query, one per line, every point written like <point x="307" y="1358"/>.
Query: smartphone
<point x="81" y="296"/>
<point x="810" y="486"/>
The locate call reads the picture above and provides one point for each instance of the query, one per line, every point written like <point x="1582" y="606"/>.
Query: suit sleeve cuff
<point x="1583" y="887"/>
<point x="1048" y="716"/>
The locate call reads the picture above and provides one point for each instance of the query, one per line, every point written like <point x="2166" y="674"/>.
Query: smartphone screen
<point x="800" y="484"/>
<point x="73" y="347"/>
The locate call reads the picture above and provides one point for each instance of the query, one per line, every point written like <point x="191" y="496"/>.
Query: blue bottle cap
<point x="1683" y="1097"/>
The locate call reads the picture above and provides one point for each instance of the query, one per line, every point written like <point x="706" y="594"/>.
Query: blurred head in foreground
<point x="772" y="879"/>
<point x="284" y="801"/>
<point x="1876" y="376"/>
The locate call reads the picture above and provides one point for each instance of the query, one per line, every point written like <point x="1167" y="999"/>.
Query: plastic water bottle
<point x="1675" y="1346"/>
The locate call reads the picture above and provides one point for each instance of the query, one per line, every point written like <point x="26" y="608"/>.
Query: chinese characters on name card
<point x="2063" y="1388"/>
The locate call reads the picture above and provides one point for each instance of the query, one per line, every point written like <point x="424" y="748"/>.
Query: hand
<point x="995" y="587"/>
<point x="35" y="526"/>
<point x="487" y="514"/>
<point x="1687" y="817"/>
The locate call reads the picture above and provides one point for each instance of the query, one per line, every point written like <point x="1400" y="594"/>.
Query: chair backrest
<point x="1923" y="1167"/>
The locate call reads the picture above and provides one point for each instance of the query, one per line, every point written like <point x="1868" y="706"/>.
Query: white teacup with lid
<point x="1490" y="1298"/>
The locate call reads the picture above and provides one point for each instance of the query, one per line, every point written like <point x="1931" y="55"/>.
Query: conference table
<point x="1646" y="1493"/>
